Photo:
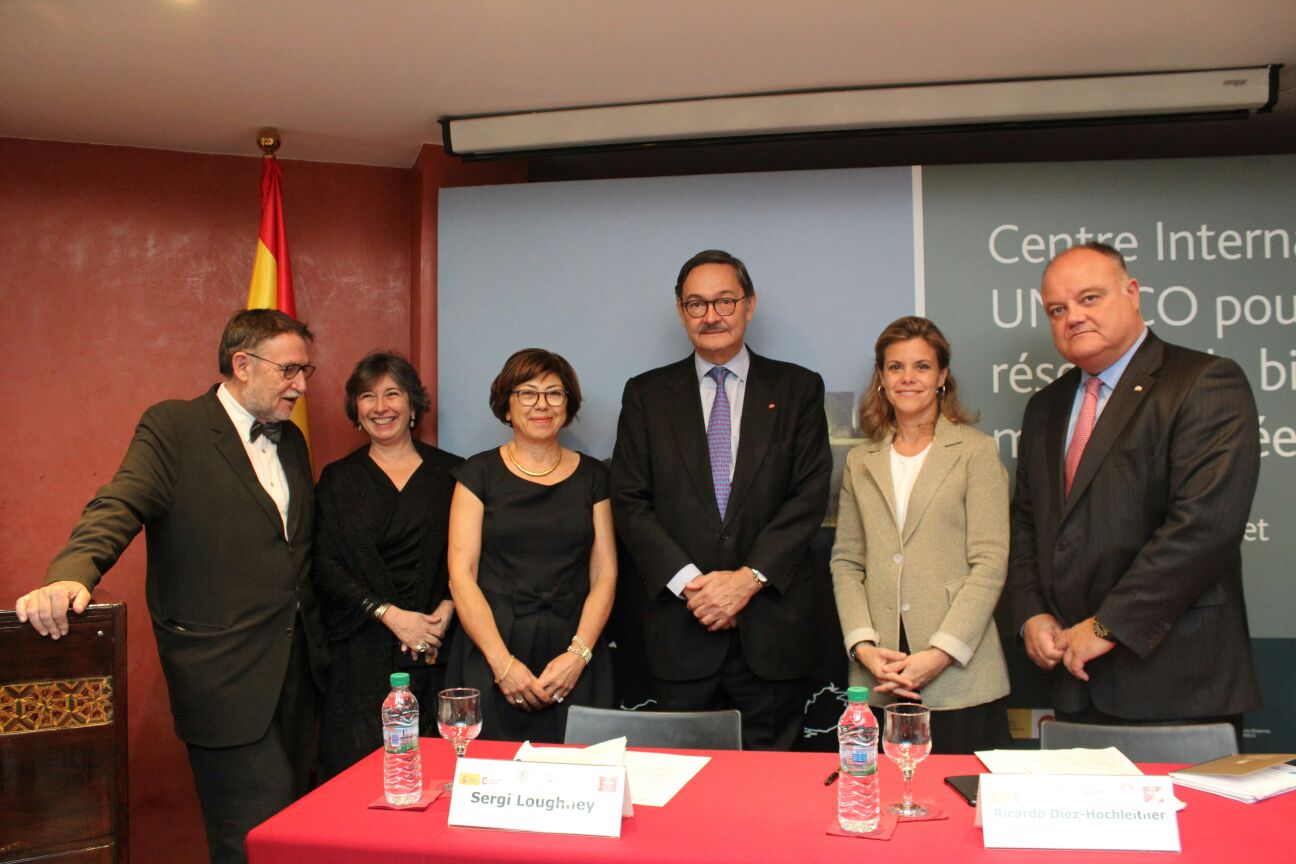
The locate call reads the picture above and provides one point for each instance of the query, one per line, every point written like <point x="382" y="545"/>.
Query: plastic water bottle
<point x="857" y="784"/>
<point x="402" y="775"/>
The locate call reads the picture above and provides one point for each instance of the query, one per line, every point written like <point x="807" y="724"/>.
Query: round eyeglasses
<point x="553" y="398"/>
<point x="289" y="370"/>
<point x="724" y="306"/>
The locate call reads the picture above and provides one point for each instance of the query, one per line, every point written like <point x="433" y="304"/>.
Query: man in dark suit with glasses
<point x="719" y="481"/>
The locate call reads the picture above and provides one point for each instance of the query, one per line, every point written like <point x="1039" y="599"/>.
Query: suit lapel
<point x="685" y="413"/>
<point x="757" y="424"/>
<point x="225" y="439"/>
<point x="878" y="462"/>
<point x="1133" y="387"/>
<point x="1055" y="425"/>
<point x="941" y="456"/>
<point x="299" y="485"/>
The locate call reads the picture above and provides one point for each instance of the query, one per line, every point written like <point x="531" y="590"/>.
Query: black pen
<point x="832" y="778"/>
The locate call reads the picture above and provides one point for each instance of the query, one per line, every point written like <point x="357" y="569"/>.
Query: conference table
<point x="741" y="807"/>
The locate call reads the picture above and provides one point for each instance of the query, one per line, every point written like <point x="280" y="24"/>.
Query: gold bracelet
<point x="506" y="669"/>
<point x="381" y="611"/>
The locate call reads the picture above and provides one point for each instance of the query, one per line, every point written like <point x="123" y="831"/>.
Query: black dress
<point x="376" y="544"/>
<point x="535" y="573"/>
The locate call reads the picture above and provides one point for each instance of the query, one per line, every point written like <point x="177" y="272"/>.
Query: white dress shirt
<point x="262" y="453"/>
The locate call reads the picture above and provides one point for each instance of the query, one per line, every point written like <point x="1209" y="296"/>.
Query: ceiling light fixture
<point x="975" y="103"/>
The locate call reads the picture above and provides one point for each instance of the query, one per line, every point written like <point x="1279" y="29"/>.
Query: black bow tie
<point x="273" y="431"/>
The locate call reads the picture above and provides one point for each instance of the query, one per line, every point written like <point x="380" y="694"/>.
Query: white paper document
<point x="1076" y="761"/>
<point x="654" y="778"/>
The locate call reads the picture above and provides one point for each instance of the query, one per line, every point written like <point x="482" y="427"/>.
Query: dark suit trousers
<point x="772" y="711"/>
<point x="240" y="787"/>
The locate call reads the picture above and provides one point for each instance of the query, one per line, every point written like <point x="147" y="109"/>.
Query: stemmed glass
<point x="459" y="719"/>
<point x="907" y="740"/>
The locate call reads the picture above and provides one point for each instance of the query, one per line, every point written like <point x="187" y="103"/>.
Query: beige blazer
<point x="942" y="572"/>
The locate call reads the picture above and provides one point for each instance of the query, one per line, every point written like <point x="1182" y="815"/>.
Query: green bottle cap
<point x="401" y="679"/>
<point x="857" y="694"/>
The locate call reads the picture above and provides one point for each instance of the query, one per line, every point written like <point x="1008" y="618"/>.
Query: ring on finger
<point x="557" y="698"/>
<point x="422" y="647"/>
<point x="518" y="699"/>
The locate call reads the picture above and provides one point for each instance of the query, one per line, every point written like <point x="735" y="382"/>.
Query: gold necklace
<point x="518" y="465"/>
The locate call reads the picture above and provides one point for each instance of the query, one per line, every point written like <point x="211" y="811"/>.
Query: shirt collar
<point x="739" y="365"/>
<point x="1111" y="376"/>
<point x="239" y="416"/>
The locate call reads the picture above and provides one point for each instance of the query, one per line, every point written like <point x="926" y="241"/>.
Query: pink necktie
<point x="1083" y="429"/>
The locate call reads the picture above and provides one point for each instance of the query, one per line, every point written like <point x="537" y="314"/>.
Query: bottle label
<point x="401" y="739"/>
<point x="858" y="760"/>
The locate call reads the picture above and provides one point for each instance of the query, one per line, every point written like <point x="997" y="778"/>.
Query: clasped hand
<point x="420" y="633"/>
<point x="902" y="674"/>
<point x="1048" y="644"/>
<point x="525" y="692"/>
<point x="716" y="598"/>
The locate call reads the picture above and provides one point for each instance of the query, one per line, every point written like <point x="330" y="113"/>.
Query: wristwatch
<point x="760" y="577"/>
<point x="1101" y="631"/>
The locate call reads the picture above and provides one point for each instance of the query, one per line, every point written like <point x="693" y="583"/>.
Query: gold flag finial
<point x="268" y="140"/>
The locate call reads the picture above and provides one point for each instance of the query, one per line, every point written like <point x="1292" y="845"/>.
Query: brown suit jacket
<point x="223" y="583"/>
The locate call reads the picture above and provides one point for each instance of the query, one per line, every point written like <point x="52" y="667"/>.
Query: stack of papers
<point x="1248" y="778"/>
<point x="1107" y="761"/>
<point x="653" y="778"/>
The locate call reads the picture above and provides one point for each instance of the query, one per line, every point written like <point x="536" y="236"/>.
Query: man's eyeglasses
<point x="289" y="370"/>
<point x="553" y="398"/>
<point x="724" y="306"/>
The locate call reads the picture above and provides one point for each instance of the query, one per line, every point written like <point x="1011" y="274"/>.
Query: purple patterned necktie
<point x="720" y="438"/>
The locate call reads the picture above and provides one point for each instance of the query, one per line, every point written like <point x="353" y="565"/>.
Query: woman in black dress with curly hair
<point x="380" y="561"/>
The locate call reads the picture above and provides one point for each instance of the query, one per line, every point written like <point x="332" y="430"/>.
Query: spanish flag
<point x="271" y="286"/>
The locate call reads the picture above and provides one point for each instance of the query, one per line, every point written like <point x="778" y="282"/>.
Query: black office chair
<point x="694" y="730"/>
<point x="1192" y="743"/>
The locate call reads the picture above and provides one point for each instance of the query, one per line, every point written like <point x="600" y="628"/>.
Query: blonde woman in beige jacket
<point x="922" y="546"/>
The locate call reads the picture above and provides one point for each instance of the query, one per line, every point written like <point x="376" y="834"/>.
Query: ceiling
<point x="364" y="81"/>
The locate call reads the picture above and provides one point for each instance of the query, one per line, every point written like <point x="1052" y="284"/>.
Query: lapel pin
<point x="771" y="406"/>
<point x="1138" y="388"/>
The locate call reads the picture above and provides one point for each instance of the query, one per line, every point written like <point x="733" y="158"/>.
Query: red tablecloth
<point x="741" y="807"/>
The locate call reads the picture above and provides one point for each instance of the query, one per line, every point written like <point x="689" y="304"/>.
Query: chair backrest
<point x="696" y="730"/>
<point x="1188" y="743"/>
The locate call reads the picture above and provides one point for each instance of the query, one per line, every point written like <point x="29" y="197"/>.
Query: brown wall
<point x="119" y="268"/>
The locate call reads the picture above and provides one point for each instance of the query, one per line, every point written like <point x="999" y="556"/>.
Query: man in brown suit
<point x="221" y="486"/>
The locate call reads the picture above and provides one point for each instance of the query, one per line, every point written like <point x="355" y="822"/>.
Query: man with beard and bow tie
<point x="221" y="486"/>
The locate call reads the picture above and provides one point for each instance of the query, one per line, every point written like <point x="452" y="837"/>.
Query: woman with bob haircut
<point x="532" y="560"/>
<point x="921" y="553"/>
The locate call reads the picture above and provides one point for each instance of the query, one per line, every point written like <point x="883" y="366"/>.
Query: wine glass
<point x="459" y="719"/>
<point x="907" y="740"/>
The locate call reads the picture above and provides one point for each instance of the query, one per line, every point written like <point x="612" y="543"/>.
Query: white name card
<point x="547" y="798"/>
<point x="1035" y="811"/>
